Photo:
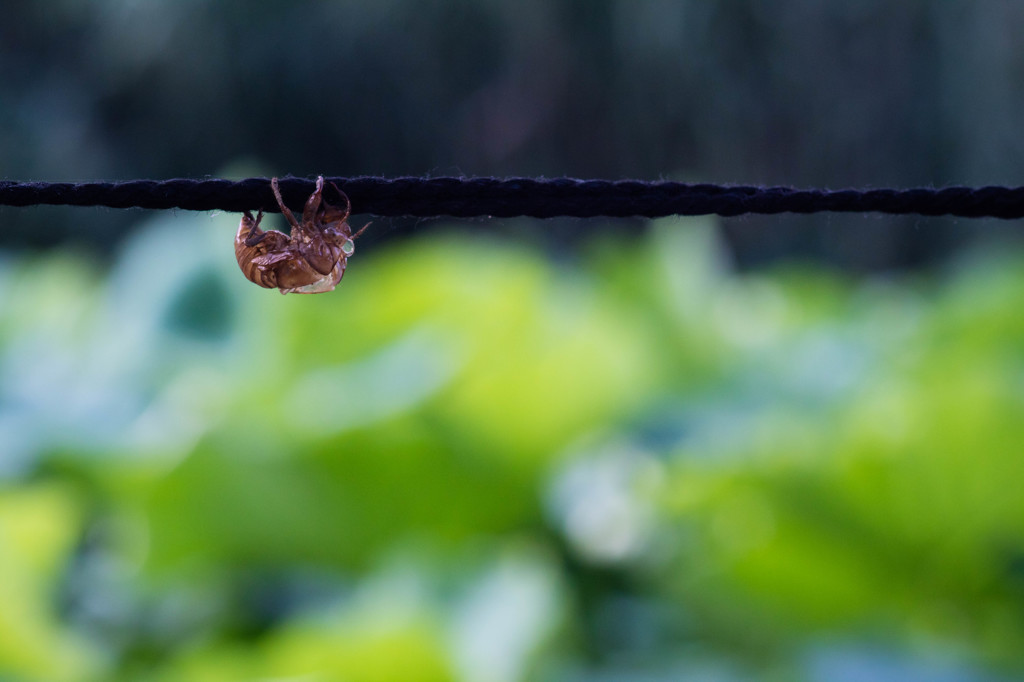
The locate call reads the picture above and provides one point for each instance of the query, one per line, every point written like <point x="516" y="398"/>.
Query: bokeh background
<point x="764" y="448"/>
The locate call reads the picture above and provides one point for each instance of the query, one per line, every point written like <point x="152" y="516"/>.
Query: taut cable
<point x="508" y="197"/>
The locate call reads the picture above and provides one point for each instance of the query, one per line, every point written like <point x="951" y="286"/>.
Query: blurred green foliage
<point x="470" y="462"/>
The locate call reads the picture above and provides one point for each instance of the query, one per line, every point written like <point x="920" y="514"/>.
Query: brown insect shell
<point x="310" y="260"/>
<point x="324" y="231"/>
<point x="246" y="255"/>
<point x="340" y="239"/>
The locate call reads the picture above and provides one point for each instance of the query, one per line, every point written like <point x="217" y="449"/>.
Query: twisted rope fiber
<point x="538" y="198"/>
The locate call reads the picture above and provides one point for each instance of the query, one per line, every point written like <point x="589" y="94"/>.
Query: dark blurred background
<point x="805" y="92"/>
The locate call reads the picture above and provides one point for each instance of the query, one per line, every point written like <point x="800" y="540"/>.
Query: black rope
<point x="539" y="198"/>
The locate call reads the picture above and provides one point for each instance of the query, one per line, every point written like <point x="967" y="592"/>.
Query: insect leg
<point x="280" y="202"/>
<point x="309" y="212"/>
<point x="256" y="235"/>
<point x="348" y="204"/>
<point x="361" y="230"/>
